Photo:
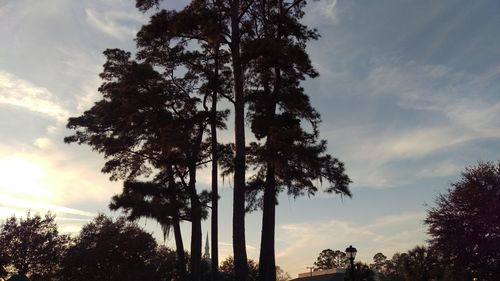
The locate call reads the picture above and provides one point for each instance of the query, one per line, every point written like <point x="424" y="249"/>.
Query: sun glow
<point x="24" y="178"/>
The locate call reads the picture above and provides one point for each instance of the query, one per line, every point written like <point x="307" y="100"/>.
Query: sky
<point x="408" y="91"/>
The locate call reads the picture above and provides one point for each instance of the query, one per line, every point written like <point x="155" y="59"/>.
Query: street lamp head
<point x="351" y="252"/>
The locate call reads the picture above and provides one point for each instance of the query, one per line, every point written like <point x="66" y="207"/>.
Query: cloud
<point x="43" y="143"/>
<point x="411" y="143"/>
<point x="370" y="156"/>
<point x="407" y="111"/>
<point x="225" y="244"/>
<point x="121" y="25"/>
<point x="17" y="203"/>
<point x="7" y="212"/>
<point x="441" y="169"/>
<point x="302" y="242"/>
<point x="66" y="225"/>
<point x="21" y="93"/>
<point x="323" y="10"/>
<point x="395" y="219"/>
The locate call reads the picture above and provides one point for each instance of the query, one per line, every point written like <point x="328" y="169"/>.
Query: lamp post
<point x="351" y="254"/>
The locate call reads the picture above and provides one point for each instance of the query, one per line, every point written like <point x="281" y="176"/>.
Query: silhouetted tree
<point x="331" y="259"/>
<point x="419" y="263"/>
<point x="465" y="225"/>
<point x="379" y="262"/>
<point x="396" y="269"/>
<point x="362" y="272"/>
<point x="166" y="264"/>
<point x="150" y="122"/>
<point x="286" y="155"/>
<point x="422" y="264"/>
<point x="239" y="243"/>
<point x="228" y="271"/>
<point x="282" y="275"/>
<point x="113" y="250"/>
<point x="32" y="246"/>
<point x="168" y="205"/>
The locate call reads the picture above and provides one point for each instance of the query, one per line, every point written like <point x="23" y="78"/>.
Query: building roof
<point x="339" y="276"/>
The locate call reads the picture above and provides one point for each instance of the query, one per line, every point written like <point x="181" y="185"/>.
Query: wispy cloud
<point x="417" y="110"/>
<point x="17" y="92"/>
<point x="302" y="242"/>
<point x="441" y="169"/>
<point x="17" y="203"/>
<point x="323" y="11"/>
<point x="66" y="225"/>
<point x="121" y="25"/>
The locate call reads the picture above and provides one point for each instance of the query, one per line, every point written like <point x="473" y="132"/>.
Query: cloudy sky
<point x="408" y="91"/>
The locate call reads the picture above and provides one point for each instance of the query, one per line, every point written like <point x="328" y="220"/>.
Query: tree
<point x="361" y="272"/>
<point x="165" y="43"/>
<point x="282" y="275"/>
<point x="151" y="122"/>
<point x="166" y="264"/>
<point x="108" y="249"/>
<point x="465" y="224"/>
<point x="228" y="270"/>
<point x="379" y="262"/>
<point x="422" y="264"/>
<point x="328" y="259"/>
<point x="419" y="263"/>
<point x="239" y="242"/>
<point x="395" y="268"/>
<point x="32" y="245"/>
<point x="287" y="155"/>
<point x="167" y="205"/>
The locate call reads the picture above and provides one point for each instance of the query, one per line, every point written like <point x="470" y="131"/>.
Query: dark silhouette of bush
<point x="108" y="249"/>
<point x="31" y="246"/>
<point x="465" y="225"/>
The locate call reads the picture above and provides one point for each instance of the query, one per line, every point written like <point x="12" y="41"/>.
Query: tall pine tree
<point x="288" y="154"/>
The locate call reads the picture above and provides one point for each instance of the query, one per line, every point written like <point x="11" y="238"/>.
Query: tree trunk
<point x="179" y="248"/>
<point x="215" y="172"/>
<point x="267" y="260"/>
<point x="267" y="263"/>
<point x="195" y="226"/>
<point x="179" y="245"/>
<point x="239" y="244"/>
<point x="196" y="236"/>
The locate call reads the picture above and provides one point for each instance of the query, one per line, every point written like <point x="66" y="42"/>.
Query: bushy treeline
<point x="105" y="249"/>
<point x="420" y="263"/>
<point x="423" y="263"/>
<point x="464" y="230"/>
